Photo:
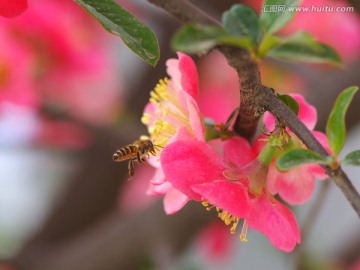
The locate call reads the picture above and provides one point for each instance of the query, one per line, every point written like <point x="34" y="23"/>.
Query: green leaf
<point x="276" y="14"/>
<point x="353" y="158"/>
<point x="335" y="127"/>
<point x="117" y="20"/>
<point x="290" y="102"/>
<point x="242" y="21"/>
<point x="297" y="157"/>
<point x="196" y="38"/>
<point x="302" y="47"/>
<point x="266" y="44"/>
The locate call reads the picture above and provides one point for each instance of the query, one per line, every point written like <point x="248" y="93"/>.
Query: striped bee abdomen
<point x="126" y="152"/>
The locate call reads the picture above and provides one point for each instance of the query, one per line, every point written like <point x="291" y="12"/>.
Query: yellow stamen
<point x="228" y="219"/>
<point x="169" y="114"/>
<point x="244" y="231"/>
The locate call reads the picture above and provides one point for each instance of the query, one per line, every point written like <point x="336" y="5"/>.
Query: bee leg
<point x="138" y="157"/>
<point x="131" y="168"/>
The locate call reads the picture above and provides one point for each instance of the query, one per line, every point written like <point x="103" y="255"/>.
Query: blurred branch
<point x="119" y="241"/>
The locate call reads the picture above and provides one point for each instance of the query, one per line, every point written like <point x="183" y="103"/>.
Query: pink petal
<point x="182" y="134"/>
<point x="174" y="200"/>
<point x="174" y="72"/>
<point x="275" y="221"/>
<point x="295" y="186"/>
<point x="269" y="121"/>
<point x="195" y="120"/>
<point x="184" y="74"/>
<point x="158" y="177"/>
<point x="225" y="104"/>
<point x="321" y="137"/>
<point x="229" y="196"/>
<point x="307" y="113"/>
<point x="159" y="189"/>
<point x="189" y="75"/>
<point x="154" y="161"/>
<point x="238" y="150"/>
<point x="12" y="8"/>
<point x="186" y="163"/>
<point x="317" y="171"/>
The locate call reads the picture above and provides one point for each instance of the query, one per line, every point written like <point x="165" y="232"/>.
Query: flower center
<point x="168" y="113"/>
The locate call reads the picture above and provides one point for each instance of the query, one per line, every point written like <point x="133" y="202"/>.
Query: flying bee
<point x="137" y="151"/>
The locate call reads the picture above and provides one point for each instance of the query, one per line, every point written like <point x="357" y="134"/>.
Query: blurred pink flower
<point x="133" y="198"/>
<point x="12" y="8"/>
<point x="332" y="27"/>
<point x="173" y="114"/>
<point x="219" y="88"/>
<point x="216" y="181"/>
<point x="214" y="242"/>
<point x="296" y="185"/>
<point x="355" y="265"/>
<point x="57" y="55"/>
<point x="329" y="26"/>
<point x="16" y="82"/>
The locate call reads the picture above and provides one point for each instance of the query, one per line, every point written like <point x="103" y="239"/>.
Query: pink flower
<point x="71" y="63"/>
<point x="173" y="114"/>
<point x="12" y="8"/>
<point x="232" y="184"/>
<point x="297" y="185"/>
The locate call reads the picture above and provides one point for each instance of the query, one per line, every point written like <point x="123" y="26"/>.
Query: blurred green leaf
<point x="117" y="20"/>
<point x="266" y="44"/>
<point x="273" y="20"/>
<point x="290" y="102"/>
<point x="302" y="47"/>
<point x="297" y="157"/>
<point x="335" y="127"/>
<point x="197" y="38"/>
<point x="242" y="21"/>
<point x="353" y="158"/>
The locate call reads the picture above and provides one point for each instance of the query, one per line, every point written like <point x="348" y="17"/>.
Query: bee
<point x="137" y="151"/>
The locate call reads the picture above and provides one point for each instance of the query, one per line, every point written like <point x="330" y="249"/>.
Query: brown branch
<point x="253" y="95"/>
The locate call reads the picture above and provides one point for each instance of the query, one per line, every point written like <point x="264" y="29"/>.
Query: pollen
<point x="228" y="219"/>
<point x="168" y="113"/>
<point x="145" y="119"/>
<point x="208" y="206"/>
